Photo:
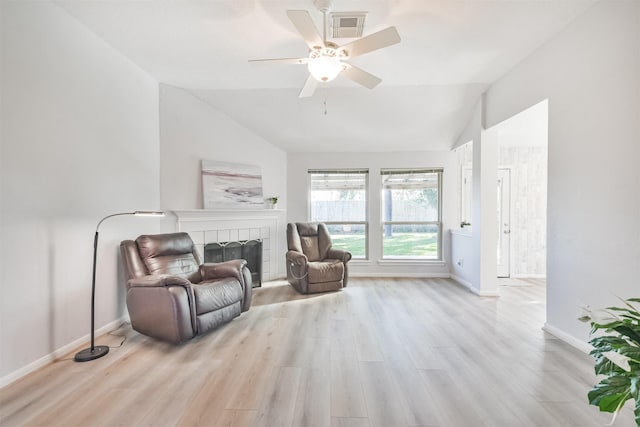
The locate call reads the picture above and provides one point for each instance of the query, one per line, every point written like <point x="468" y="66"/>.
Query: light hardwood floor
<point x="382" y="352"/>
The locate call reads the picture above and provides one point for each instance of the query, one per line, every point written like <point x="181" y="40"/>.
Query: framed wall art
<point x="231" y="185"/>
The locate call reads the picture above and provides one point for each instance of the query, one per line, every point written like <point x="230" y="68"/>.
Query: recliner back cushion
<point x="168" y="253"/>
<point x="312" y="239"/>
<point x="310" y="247"/>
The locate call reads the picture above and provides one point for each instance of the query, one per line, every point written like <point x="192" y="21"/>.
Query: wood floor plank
<point x="381" y="352"/>
<point x="349" y="422"/>
<point x="261" y="369"/>
<point x="313" y="405"/>
<point x="451" y="398"/>
<point x="278" y="405"/>
<point x="347" y="397"/>
<point x="237" y="418"/>
<point x="182" y="382"/>
<point x="385" y="406"/>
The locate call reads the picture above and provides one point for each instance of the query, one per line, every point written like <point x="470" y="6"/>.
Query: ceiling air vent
<point x="347" y="24"/>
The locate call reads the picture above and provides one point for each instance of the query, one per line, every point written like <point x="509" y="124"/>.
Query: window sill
<point x="412" y="262"/>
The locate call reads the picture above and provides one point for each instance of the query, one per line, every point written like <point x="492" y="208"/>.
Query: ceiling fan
<point x="326" y="59"/>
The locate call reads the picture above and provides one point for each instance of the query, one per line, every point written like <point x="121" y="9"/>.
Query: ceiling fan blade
<point x="361" y="77"/>
<point x="283" y="60"/>
<point x="309" y="87"/>
<point x="371" y="42"/>
<point x="305" y="26"/>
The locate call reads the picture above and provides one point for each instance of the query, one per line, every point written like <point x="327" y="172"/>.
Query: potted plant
<point x="617" y="355"/>
<point x="273" y="202"/>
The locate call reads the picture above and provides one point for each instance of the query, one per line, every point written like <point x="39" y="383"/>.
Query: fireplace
<point x="207" y="226"/>
<point x="249" y="250"/>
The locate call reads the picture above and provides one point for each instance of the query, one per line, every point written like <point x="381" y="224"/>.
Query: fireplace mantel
<point x="223" y="225"/>
<point x="199" y="214"/>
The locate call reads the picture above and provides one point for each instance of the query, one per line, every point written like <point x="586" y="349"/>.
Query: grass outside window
<point x="399" y="245"/>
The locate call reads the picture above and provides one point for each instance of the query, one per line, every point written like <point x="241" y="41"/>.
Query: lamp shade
<point x="325" y="68"/>
<point x="149" y="213"/>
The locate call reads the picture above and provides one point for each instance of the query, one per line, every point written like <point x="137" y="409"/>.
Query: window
<point x="338" y="198"/>
<point x="411" y="213"/>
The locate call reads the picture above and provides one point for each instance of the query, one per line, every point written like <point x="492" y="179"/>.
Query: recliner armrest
<point x="340" y="254"/>
<point x="220" y="270"/>
<point x="297" y="257"/>
<point x="236" y="268"/>
<point x="157" y="281"/>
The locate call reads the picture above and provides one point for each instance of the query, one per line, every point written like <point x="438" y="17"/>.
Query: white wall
<point x="79" y="140"/>
<point x="297" y="206"/>
<point x="591" y="75"/>
<point x="474" y="257"/>
<point x="192" y="130"/>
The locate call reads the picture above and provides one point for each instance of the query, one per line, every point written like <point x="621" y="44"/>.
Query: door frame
<point x="504" y="226"/>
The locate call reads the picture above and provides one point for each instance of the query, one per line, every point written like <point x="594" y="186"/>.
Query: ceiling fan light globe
<point x="325" y="69"/>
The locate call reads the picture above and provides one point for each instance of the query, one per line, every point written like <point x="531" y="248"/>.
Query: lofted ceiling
<point x="451" y="51"/>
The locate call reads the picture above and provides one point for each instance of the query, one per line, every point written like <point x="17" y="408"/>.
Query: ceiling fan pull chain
<point x="325" y="105"/>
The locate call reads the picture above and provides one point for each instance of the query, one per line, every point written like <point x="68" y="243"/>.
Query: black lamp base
<point x="87" y="354"/>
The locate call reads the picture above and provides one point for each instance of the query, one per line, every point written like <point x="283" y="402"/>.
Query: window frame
<point x="366" y="174"/>
<point x="437" y="223"/>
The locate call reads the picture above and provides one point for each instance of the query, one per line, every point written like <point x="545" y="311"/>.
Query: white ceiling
<point x="451" y="51"/>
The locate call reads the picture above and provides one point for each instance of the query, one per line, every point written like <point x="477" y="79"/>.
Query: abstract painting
<point x="231" y="185"/>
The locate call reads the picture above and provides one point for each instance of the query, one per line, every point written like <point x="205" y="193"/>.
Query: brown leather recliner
<point x="312" y="264"/>
<point x="171" y="296"/>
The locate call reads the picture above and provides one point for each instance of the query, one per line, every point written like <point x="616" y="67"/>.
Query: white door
<point x="504" y="221"/>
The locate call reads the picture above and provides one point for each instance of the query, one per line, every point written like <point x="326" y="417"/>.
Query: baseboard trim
<point x="57" y="354"/>
<point x="402" y="275"/>
<point x="463" y="282"/>
<point x="472" y="289"/>
<point x="569" y="339"/>
<point x="529" y="276"/>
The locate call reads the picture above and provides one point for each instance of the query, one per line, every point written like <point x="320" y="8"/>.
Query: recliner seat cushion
<point x="329" y="270"/>
<point x="214" y="295"/>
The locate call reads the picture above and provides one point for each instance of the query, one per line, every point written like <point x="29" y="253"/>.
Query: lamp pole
<point x="96" y="352"/>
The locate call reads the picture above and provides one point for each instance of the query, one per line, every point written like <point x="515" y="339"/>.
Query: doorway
<point x="522" y="194"/>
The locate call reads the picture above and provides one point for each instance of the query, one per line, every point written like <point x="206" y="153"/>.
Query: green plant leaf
<point x="632" y="309"/>
<point x="606" y="326"/>
<point x="631" y="351"/>
<point x="635" y="392"/>
<point x="605" y="366"/>
<point x="625" y="314"/>
<point x="607" y="343"/>
<point x="616" y="355"/>
<point x="628" y="302"/>
<point x="633" y="333"/>
<point x="610" y="393"/>
<point x="603" y="316"/>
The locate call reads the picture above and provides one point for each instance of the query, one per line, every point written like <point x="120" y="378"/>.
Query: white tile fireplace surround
<point x="218" y="226"/>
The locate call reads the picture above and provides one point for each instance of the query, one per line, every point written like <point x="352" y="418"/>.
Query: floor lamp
<point x="97" y="351"/>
